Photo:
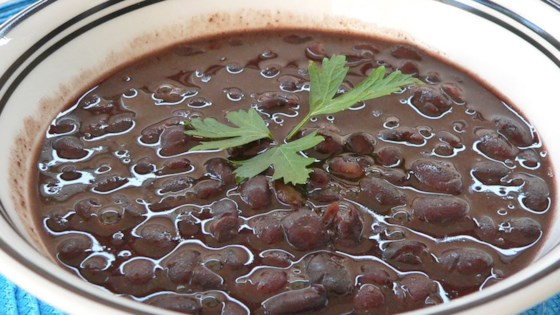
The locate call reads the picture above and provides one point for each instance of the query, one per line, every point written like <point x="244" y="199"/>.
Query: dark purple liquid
<point x="419" y="197"/>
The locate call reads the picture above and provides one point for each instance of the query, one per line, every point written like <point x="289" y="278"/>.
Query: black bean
<point x="375" y="275"/>
<point x="64" y="125"/>
<point x="360" y="143"/>
<point x="395" y="176"/>
<point x="368" y="67"/>
<point x="276" y="258"/>
<point x="436" y="176"/>
<point x="466" y="261"/>
<point x="224" y="207"/>
<point x="73" y="246"/>
<point x="156" y="238"/>
<point x="346" y="167"/>
<point x="516" y="132"/>
<point x="319" y="178"/>
<point x="382" y="192"/>
<point x="487" y="229"/>
<point x="296" y="301"/>
<point x="411" y="253"/>
<point x="330" y="271"/>
<point x="208" y="188"/>
<point x="389" y="156"/>
<point x="168" y="93"/>
<point x="181" y="264"/>
<point x="110" y="183"/>
<point x="256" y="193"/>
<point x="433" y="77"/>
<point x="535" y="193"/>
<point x="143" y="167"/>
<point x="175" y="184"/>
<point x="414" y="289"/>
<point x="70" y="148"/>
<point x="291" y="83"/>
<point x="440" y="209"/>
<point x="495" y="146"/>
<point x="268" y="229"/>
<point x="450" y="138"/>
<point x="327" y="194"/>
<point x="198" y="102"/>
<point x="288" y="194"/>
<point x="405" y="52"/>
<point x="443" y="149"/>
<point x="270" y="71"/>
<point x="187" y="227"/>
<point x="176" y="302"/>
<point x="206" y="278"/>
<point x="454" y="92"/>
<point x="408" y="67"/>
<point x="235" y="258"/>
<point x="271" y="281"/>
<point x="315" y="51"/>
<point x="168" y="203"/>
<point x="529" y="158"/>
<point x="465" y="267"/>
<point x="70" y="175"/>
<point x="249" y="150"/>
<point x="273" y="101"/>
<point x="110" y="215"/>
<point x="345" y="219"/>
<point x="224" y="228"/>
<point x="304" y="229"/>
<point x="150" y="135"/>
<point x="174" y="166"/>
<point x="514" y="232"/>
<point x="366" y="50"/>
<point x="95" y="263"/>
<point x="174" y="141"/>
<point x="59" y="219"/>
<point x="368" y="298"/>
<point x="157" y="232"/>
<point x="332" y="144"/>
<point x="297" y="39"/>
<point x="430" y="101"/>
<point x="402" y="134"/>
<point x="522" y="231"/>
<point x="232" y="308"/>
<point x="220" y="169"/>
<point x="95" y="126"/>
<point x="139" y="271"/>
<point x="120" y="123"/>
<point x="87" y="208"/>
<point x="490" y="173"/>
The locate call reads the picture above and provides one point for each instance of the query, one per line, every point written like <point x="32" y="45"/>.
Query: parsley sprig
<point x="286" y="159"/>
<point x="324" y="84"/>
<point x="249" y="127"/>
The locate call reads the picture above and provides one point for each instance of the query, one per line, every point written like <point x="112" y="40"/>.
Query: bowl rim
<point x="531" y="33"/>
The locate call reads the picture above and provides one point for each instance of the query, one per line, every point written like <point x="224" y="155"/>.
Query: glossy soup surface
<point x="416" y="198"/>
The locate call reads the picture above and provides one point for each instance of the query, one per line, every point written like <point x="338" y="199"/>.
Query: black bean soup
<point x="415" y="199"/>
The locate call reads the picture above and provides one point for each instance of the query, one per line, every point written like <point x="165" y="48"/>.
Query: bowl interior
<point x="47" y="68"/>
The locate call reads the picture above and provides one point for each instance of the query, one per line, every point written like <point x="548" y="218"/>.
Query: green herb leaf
<point x="326" y="81"/>
<point x="249" y="127"/>
<point x="286" y="160"/>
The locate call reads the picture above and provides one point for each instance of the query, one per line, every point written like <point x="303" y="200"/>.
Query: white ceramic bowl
<point x="55" y="49"/>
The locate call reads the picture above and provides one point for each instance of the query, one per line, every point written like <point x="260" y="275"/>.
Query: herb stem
<point x="298" y="126"/>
